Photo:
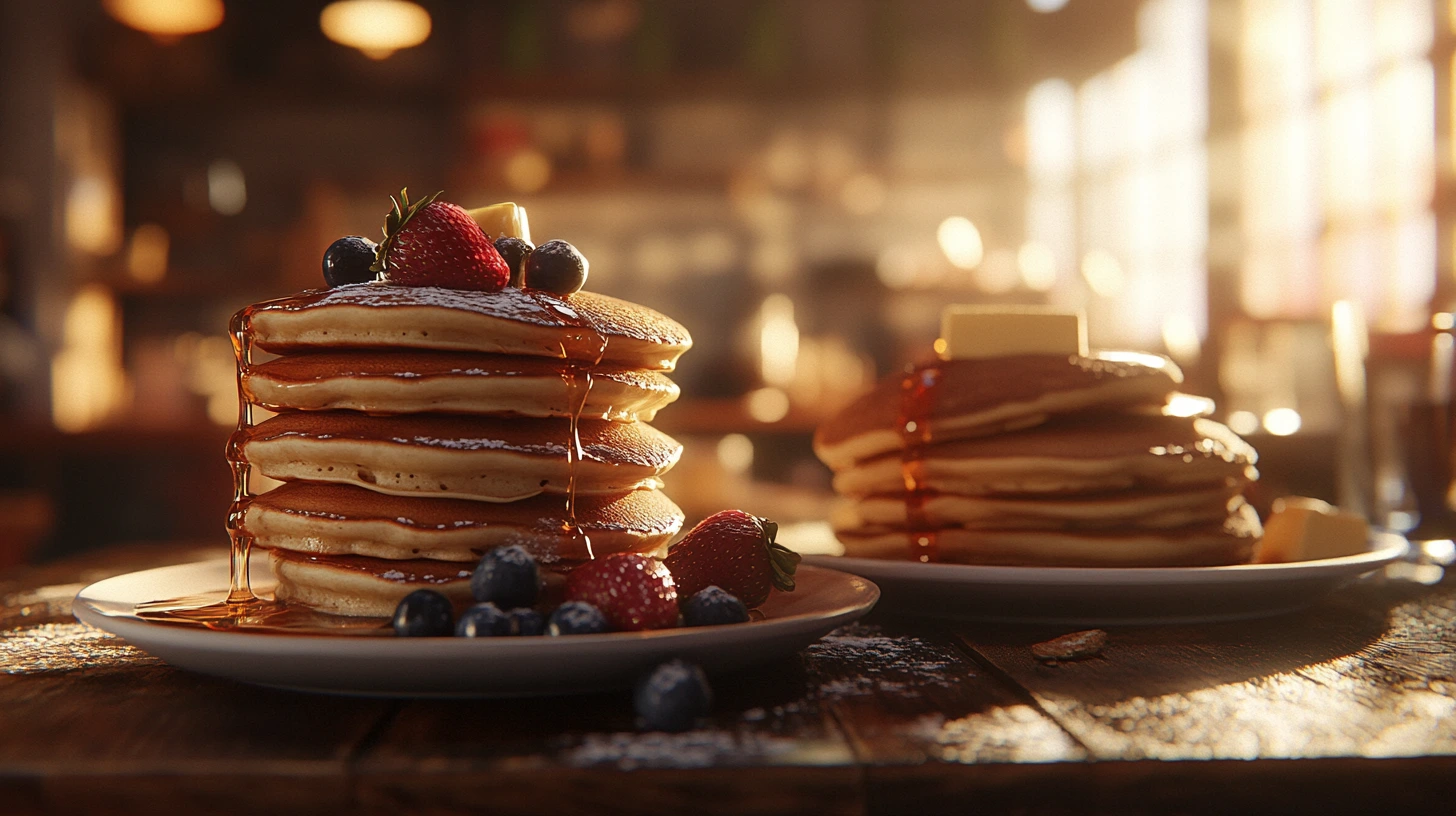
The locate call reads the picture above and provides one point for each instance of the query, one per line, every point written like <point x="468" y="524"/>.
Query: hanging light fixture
<point x="376" y="27"/>
<point x="167" y="20"/>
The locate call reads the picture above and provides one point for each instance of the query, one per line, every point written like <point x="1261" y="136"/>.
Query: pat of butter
<point x="979" y="332"/>
<point x="1303" y="529"/>
<point x="507" y="218"/>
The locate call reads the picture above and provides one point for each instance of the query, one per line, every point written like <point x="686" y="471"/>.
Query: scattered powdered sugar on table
<point x="861" y="659"/>
<point x="691" y="749"/>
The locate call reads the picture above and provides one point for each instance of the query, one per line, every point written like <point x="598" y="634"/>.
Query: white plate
<point x="390" y="666"/>
<point x="1066" y="595"/>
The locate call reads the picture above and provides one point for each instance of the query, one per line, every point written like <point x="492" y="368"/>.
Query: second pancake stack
<point x="1038" y="459"/>
<point x="419" y="427"/>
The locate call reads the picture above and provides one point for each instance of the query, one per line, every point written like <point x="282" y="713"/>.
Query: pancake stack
<point x="419" y="427"/>
<point x="1042" y="459"/>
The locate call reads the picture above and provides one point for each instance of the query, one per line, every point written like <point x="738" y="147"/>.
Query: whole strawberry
<point x="435" y="243"/>
<point x="736" y="552"/>
<point x="633" y="591"/>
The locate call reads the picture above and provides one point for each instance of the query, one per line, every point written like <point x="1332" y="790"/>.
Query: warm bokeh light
<point x="767" y="405"/>
<point x="146" y="257"/>
<point x="227" y="190"/>
<point x="735" y="454"/>
<point x="1443" y="321"/>
<point x="376" y="27"/>
<point x="1282" y="421"/>
<point x="1243" y="422"/>
<point x="1103" y="273"/>
<point x="961" y="242"/>
<point x="93" y="216"/>
<point x="778" y="341"/>
<point x="1180" y="337"/>
<point x="88" y="383"/>
<point x="1046" y="6"/>
<point x="1188" y="405"/>
<point x="167" y="19"/>
<point x="528" y="171"/>
<point x="1038" y="266"/>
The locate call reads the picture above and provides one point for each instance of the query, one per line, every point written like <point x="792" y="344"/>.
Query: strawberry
<point x="736" y="552"/>
<point x="634" y="592"/>
<point x="435" y="243"/>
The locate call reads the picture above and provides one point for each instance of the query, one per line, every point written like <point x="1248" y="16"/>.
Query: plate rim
<point x="1387" y="547"/>
<point x="85" y="609"/>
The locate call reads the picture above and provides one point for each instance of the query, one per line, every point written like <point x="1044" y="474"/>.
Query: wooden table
<point x="1346" y="708"/>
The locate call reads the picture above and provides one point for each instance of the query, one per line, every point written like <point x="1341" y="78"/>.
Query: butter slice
<point x="1302" y="529"/>
<point x="506" y="218"/>
<point x="980" y="332"/>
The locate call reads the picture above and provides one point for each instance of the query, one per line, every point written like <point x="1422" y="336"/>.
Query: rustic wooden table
<point x="1346" y="708"/>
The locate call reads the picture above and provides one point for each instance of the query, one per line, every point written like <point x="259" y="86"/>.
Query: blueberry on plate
<point x="514" y="250"/>
<point x="577" y="618"/>
<point x="527" y="622"/>
<point x="347" y="260"/>
<point x="714" y="607"/>
<point x="507" y="577"/>
<point x="424" y="613"/>
<point x="672" y="697"/>
<point x="556" y="267"/>
<point x="483" y="620"/>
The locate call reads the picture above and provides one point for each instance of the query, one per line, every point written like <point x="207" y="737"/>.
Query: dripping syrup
<point x="916" y="394"/>
<point x="241" y="608"/>
<point x="581" y="350"/>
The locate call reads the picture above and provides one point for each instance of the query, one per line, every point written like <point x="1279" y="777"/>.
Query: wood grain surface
<point x="1349" y="707"/>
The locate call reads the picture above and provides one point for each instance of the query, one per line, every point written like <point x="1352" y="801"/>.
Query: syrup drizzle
<point x="917" y="389"/>
<point x="581" y="350"/>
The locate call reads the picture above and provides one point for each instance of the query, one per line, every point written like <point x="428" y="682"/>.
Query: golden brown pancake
<point x="510" y="321"/>
<point x="482" y="458"/>
<point x="355" y="585"/>
<point x="407" y="382"/>
<point x="1215" y="544"/>
<point x="1123" y="509"/>
<point x="339" y="519"/>
<point x="979" y="397"/>
<point x="1074" y="454"/>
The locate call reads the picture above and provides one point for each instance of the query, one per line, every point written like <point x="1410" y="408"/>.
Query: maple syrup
<point x="581" y="350"/>
<point x="917" y="391"/>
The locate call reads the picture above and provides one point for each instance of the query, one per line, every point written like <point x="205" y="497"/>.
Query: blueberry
<point x="347" y="260"/>
<point x="577" y="618"/>
<point x="714" y="607"/>
<point x="424" y="613"/>
<point x="483" y="620"/>
<point x="507" y="577"/>
<point x="557" y="267"/>
<point x="672" y="697"/>
<point x="527" y="622"/>
<point x="514" y="250"/>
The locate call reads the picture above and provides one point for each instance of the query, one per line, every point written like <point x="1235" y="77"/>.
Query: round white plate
<point x="1067" y="595"/>
<point x="390" y="666"/>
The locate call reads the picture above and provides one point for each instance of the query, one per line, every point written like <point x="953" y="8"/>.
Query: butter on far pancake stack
<point x="1024" y="449"/>
<point x="420" y="426"/>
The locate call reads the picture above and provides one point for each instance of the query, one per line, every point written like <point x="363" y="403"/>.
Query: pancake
<point x="370" y="587"/>
<point x="482" y="458"/>
<point x="407" y="382"/>
<point x="979" y="397"/>
<point x="1229" y="542"/>
<point x="1133" y="510"/>
<point x="337" y="519"/>
<point x="510" y="321"/>
<point x="1067" y="455"/>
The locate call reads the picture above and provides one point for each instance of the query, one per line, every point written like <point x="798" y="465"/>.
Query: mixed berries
<point x="430" y="242"/>
<point x="673" y="697"/>
<point x="725" y="566"/>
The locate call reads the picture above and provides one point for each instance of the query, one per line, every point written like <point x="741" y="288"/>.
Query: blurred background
<point x="1261" y="189"/>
